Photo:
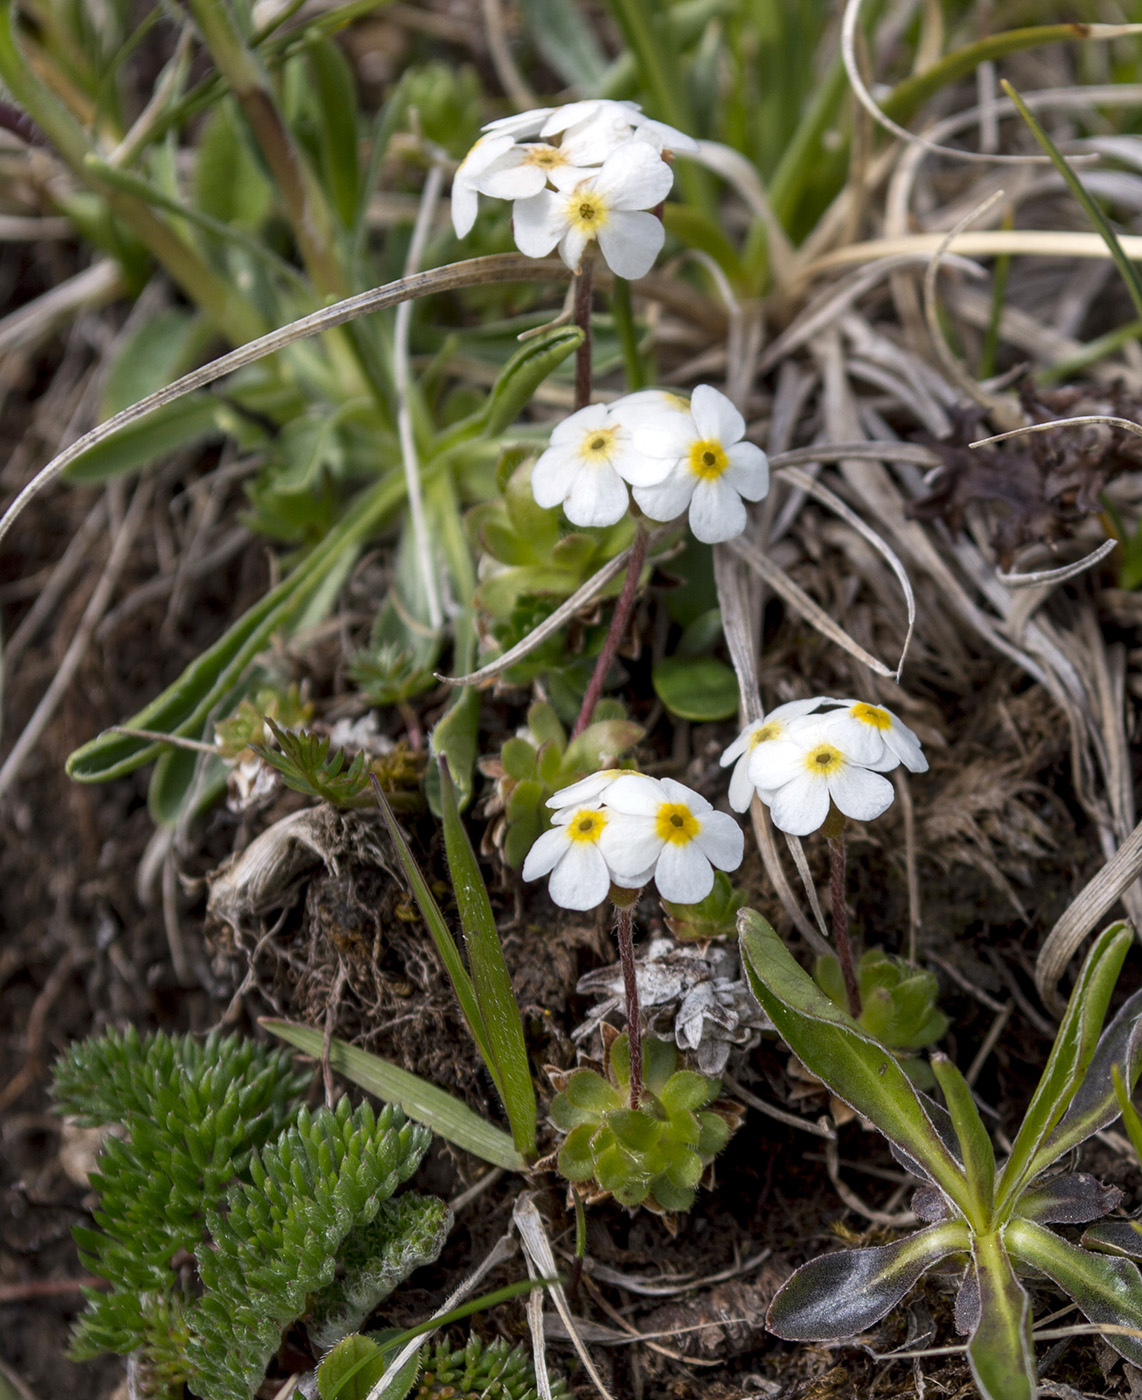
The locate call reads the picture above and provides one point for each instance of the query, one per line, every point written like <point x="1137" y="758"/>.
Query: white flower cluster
<point x="623" y="828"/>
<point x="800" y="761"/>
<point x="578" y="174"/>
<point x="676" y="456"/>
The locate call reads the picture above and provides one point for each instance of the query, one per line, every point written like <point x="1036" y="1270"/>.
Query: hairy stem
<point x="614" y="634"/>
<point x="841" y="922"/>
<point x="584" y="285"/>
<point x="625" y="930"/>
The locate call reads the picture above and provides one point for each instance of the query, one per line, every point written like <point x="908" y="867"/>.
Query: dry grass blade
<point x="1063" y="572"/>
<point x="1126" y="424"/>
<point x="797" y="851"/>
<point x="801" y="603"/>
<point x="501" y="267"/>
<point x="537" y="1249"/>
<point x="1041" y="243"/>
<point x="737" y="625"/>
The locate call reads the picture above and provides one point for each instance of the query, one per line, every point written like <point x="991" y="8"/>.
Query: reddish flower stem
<point x="625" y="929"/>
<point x="841" y="922"/>
<point x="584" y="285"/>
<point x="619" y="621"/>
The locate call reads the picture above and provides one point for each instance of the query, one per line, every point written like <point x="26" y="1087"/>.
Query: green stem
<point x="614" y="632"/>
<point x="625" y="930"/>
<point x="628" y="336"/>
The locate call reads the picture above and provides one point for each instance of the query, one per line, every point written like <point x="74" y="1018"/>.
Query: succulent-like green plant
<point x="533" y="766"/>
<point x="991" y="1222"/>
<point x="716" y="916"/>
<point x="287" y="1214"/>
<point x="654" y="1154"/>
<point x="477" y="1371"/>
<point x="898" y="1005"/>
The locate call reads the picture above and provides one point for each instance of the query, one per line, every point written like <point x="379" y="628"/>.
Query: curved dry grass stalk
<point x="500" y="267"/>
<point x="1040" y="243"/>
<point x="1060" y="575"/>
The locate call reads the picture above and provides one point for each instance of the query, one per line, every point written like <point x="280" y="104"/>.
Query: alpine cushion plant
<point x="990" y="1221"/>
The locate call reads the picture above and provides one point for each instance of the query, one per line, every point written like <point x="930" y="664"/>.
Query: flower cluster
<point x="675" y="455"/>
<point x="623" y="828"/>
<point x="801" y="762"/>
<point x="584" y="173"/>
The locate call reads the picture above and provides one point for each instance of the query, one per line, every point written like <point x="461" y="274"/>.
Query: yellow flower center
<point x="872" y="715"/>
<point x="824" y="759"/>
<point x="708" y="459"/>
<point x="773" y="730"/>
<point x="588" y="213"/>
<point x="586" y="826"/>
<point x="546" y="157"/>
<point x="598" y="446"/>
<point x="676" y="823"/>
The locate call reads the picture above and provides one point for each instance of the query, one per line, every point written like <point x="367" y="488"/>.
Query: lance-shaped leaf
<point x="490" y="977"/>
<point x="841" y="1053"/>
<point x="1106" y="1288"/>
<point x="1115" y="1237"/>
<point x="1000" y="1354"/>
<point x="975" y="1144"/>
<point x="1071" y="1199"/>
<point x="1071" y="1054"/>
<point x="842" y="1294"/>
<point x="1096" y="1104"/>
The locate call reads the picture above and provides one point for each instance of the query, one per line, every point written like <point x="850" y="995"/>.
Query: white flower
<point x="775" y="725"/>
<point x="797" y="777"/>
<point x="660" y="827"/>
<point x="595" y="128"/>
<point x="498" y="140"/>
<point x="606" y="208"/>
<point x="888" y="741"/>
<point x="710" y="468"/>
<point x="570" y="852"/>
<point x="585" y="469"/>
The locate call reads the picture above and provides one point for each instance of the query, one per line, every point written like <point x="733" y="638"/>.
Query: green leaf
<point x="975" y="1144"/>
<point x="446" y="1116"/>
<point x="566" y="42"/>
<point x="1073" y="1198"/>
<point x="441" y="934"/>
<point x="336" y="102"/>
<point x="1106" y="1288"/>
<point x="1130" y="1119"/>
<point x="1000" y="1353"/>
<point x="351" y="1369"/>
<point x="699" y="688"/>
<point x="229" y="181"/>
<point x="456" y="739"/>
<point x="187" y="420"/>
<point x="844" y="1293"/>
<point x="834" y="1047"/>
<point x="1115" y="1237"/>
<point x="1096" y="1104"/>
<point x="588" y="1090"/>
<point x="1070" y="1056"/>
<point x="503" y="1024"/>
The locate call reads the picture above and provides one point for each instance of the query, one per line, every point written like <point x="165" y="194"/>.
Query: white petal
<point x="544" y="854"/>
<point x="775" y="763"/>
<point x="666" y="434"/>
<point x="630" y="844"/>
<point x="538" y="223"/>
<point x="741" y="744"/>
<point x="860" y="794"/>
<point x="596" y="496"/>
<point x="716" y="512"/>
<point x="802" y="805"/>
<point x="630" y="242"/>
<point x="635" y="177"/>
<point x="721" y="840"/>
<point x="581" y="879"/>
<point x="550" y="475"/>
<point x="586" y="790"/>
<point x="465" y="205"/>
<point x="748" y="472"/>
<point x="664" y="138"/>
<point x="515" y="181"/>
<point x="573" y="430"/>
<point x="523" y="126"/>
<point x="741" y="789"/>
<point x="794" y="709"/>
<point x="687" y="797"/>
<point x="905" y="745"/>
<point x="633" y="882"/>
<point x="715" y="416"/>
<point x="636" y="467"/>
<point x="566" y="177"/>
<point x="636" y="795"/>
<point x="573" y="113"/>
<point x="487" y="150"/>
<point x="683" y="874"/>
<point x="668" y="498"/>
<point x="572" y="246"/>
<point x="855" y="739"/>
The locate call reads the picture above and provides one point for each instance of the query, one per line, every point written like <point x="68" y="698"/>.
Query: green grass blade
<point x="1101" y="223"/>
<point x="442" y="937"/>
<point x="975" y="1144"/>
<point x="490" y="976"/>
<point x="446" y="1116"/>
